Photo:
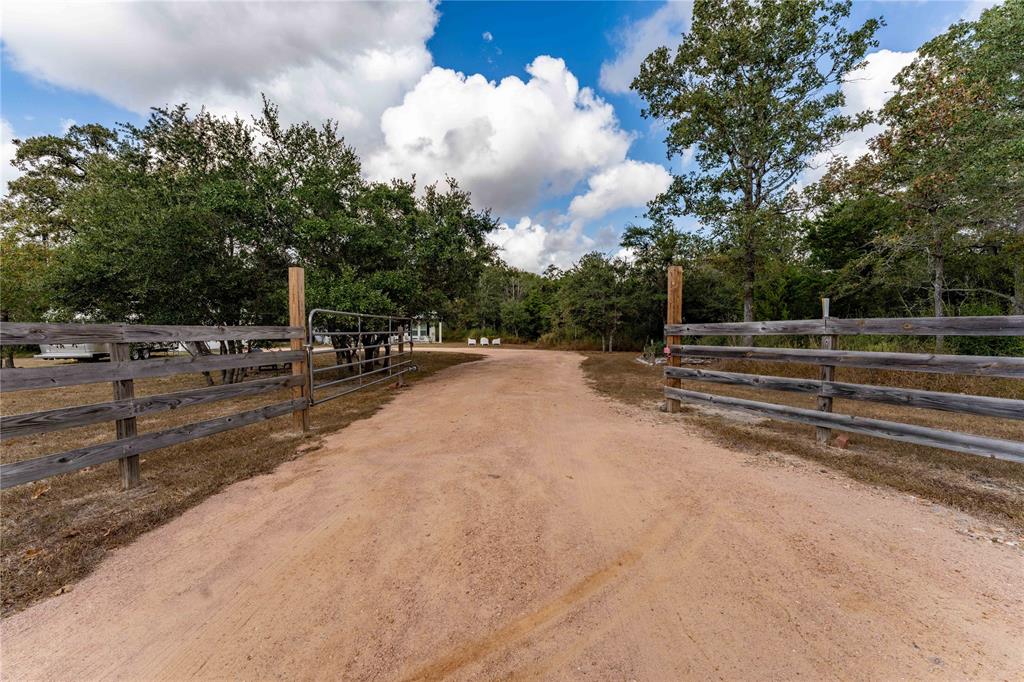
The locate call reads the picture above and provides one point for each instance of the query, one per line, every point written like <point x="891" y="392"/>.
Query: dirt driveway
<point x="502" y="519"/>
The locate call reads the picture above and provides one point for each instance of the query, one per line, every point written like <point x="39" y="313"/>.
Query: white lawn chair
<point x="495" y="342"/>
<point x="472" y="342"/>
<point x="484" y="341"/>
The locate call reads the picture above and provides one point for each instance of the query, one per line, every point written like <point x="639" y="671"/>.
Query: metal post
<point x="401" y="353"/>
<point x="825" y="373"/>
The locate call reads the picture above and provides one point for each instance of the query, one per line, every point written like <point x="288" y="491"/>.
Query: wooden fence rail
<point x="21" y="333"/>
<point x="994" y="325"/>
<point x="920" y="435"/>
<point x="976" y="365"/>
<point x="122" y="370"/>
<point x="829" y="359"/>
<point x="15" y="426"/>
<point x="73" y="460"/>
<point x="1007" y="408"/>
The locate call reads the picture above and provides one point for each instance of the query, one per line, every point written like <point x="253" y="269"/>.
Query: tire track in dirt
<point x="545" y="616"/>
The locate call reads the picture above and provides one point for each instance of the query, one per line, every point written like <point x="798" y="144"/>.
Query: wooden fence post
<point x="297" y="318"/>
<point x="825" y="373"/>
<point x="130" y="468"/>
<point x="674" y="316"/>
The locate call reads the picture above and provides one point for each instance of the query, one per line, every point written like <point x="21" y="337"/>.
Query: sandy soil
<point x="502" y="519"/>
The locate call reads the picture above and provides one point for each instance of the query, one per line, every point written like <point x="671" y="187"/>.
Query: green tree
<point x="52" y="169"/>
<point x="988" y="55"/>
<point x="951" y="152"/>
<point x="171" y="228"/>
<point x="846" y="243"/>
<point x="594" y="297"/>
<point x="754" y="91"/>
<point x="24" y="296"/>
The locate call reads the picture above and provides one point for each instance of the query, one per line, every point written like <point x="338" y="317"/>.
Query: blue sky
<point x="527" y="104"/>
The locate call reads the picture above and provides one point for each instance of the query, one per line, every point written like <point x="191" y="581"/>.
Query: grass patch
<point x="56" y="531"/>
<point x="988" y="487"/>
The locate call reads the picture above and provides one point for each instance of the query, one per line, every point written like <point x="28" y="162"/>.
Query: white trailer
<point x="73" y="351"/>
<point x="98" y="351"/>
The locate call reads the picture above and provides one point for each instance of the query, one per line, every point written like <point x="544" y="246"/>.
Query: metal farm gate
<point x="354" y="351"/>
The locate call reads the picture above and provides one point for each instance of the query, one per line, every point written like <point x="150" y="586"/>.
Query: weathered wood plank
<point x="908" y="433"/>
<point x="987" y="325"/>
<point x="977" y="365"/>
<point x="764" y="328"/>
<point x="30" y="470"/>
<point x="982" y="325"/>
<point x="21" y="379"/>
<point x="36" y="332"/>
<point x="15" y="426"/>
<point x="1007" y="408"/>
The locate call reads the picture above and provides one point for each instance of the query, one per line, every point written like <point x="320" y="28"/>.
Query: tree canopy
<point x="194" y="218"/>
<point x="753" y="92"/>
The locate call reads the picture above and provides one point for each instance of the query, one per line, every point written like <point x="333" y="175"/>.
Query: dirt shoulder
<point x="55" y="532"/>
<point x="990" y="488"/>
<point x="505" y="520"/>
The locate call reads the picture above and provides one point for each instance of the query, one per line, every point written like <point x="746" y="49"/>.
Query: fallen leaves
<point x="32" y="552"/>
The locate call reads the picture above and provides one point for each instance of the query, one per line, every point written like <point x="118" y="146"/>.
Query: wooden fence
<point x="827" y="359"/>
<point x="125" y="407"/>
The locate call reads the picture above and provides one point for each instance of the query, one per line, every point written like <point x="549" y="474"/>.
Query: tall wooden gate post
<point x="825" y="373"/>
<point x="297" y="318"/>
<point x="674" y="316"/>
<point x="129" y="467"/>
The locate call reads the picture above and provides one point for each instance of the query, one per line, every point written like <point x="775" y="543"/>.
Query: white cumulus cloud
<point x="509" y="142"/>
<point x="343" y="60"/>
<point x="531" y="246"/>
<point x="487" y="36"/>
<point x="7" y="151"/>
<point x="867" y="88"/>
<point x="975" y="7"/>
<point x="630" y="183"/>
<point x="639" y="38"/>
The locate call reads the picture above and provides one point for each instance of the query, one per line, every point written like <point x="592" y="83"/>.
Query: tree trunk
<point x="1018" y="288"/>
<point x="748" y="295"/>
<point x="1017" y="307"/>
<point x="8" y="351"/>
<point x="938" y="284"/>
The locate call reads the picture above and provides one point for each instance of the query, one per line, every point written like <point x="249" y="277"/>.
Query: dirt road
<point x="502" y="519"/>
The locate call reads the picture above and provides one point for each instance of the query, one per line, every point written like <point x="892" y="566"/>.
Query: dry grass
<point x="55" y="531"/>
<point x="988" y="487"/>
